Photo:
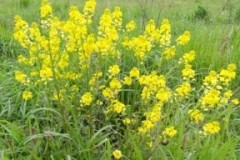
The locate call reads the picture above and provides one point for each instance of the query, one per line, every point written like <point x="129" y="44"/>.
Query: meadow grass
<point x="40" y="130"/>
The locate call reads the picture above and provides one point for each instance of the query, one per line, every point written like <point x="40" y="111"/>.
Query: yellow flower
<point x="27" y="95"/>
<point x="228" y="94"/>
<point x="150" y="30"/>
<point x="211" y="98"/>
<point x="117" y="107"/>
<point x="108" y="93"/>
<point x="89" y="7"/>
<point x="127" y="81"/>
<point x="46" y="73"/>
<point x="114" y="70"/>
<point x="59" y="96"/>
<point x="232" y="67"/>
<point x="140" y="45"/>
<point x="184" y="38"/>
<point x="165" y="35"/>
<point x="235" y="101"/>
<point x="108" y="29"/>
<point x="117" y="154"/>
<point x="226" y="75"/>
<point x="46" y="9"/>
<point x="63" y="62"/>
<point x="115" y="84"/>
<point x="94" y="79"/>
<point x="170" y="131"/>
<point x="211" y="128"/>
<point x="188" y="57"/>
<point x="154" y="115"/>
<point x="21" y="32"/>
<point x="169" y="52"/>
<point x="184" y="89"/>
<point x="211" y="79"/>
<point x="86" y="99"/>
<point x="130" y="26"/>
<point x="146" y="126"/>
<point x="22" y="59"/>
<point x="21" y="77"/>
<point x="196" y="115"/>
<point x="163" y="95"/>
<point x="188" y="72"/>
<point x="226" y="97"/>
<point x="146" y="93"/>
<point x="117" y="17"/>
<point x="126" y="121"/>
<point x="134" y="73"/>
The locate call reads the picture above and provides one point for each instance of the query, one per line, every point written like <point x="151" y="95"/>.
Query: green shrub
<point x="237" y="16"/>
<point x="200" y="13"/>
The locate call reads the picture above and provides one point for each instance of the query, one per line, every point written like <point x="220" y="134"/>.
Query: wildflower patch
<point x="102" y="75"/>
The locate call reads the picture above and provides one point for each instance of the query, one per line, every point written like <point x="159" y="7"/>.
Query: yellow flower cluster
<point x="21" y="32"/>
<point x="117" y="106"/>
<point x="59" y="95"/>
<point x="227" y="75"/>
<point x="46" y="9"/>
<point x="169" y="132"/>
<point x="72" y="64"/>
<point x="130" y="26"/>
<point x="215" y="87"/>
<point x="114" y="70"/>
<point x="184" y="39"/>
<point x="152" y="117"/>
<point x="211" y="98"/>
<point x="46" y="13"/>
<point x="169" y="52"/>
<point x="215" y="96"/>
<point x="87" y="99"/>
<point x="109" y="25"/>
<point x="89" y="9"/>
<point x="184" y="89"/>
<point x="110" y="93"/>
<point x="211" y="128"/>
<point x="142" y="44"/>
<point x="27" y="95"/>
<point x="188" y="72"/>
<point x="154" y="85"/>
<point x="94" y="81"/>
<point x="196" y="115"/>
<point x="134" y="74"/>
<point x="21" y="77"/>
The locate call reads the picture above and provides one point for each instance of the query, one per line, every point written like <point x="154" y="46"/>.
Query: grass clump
<point x="8" y="47"/>
<point x="201" y="13"/>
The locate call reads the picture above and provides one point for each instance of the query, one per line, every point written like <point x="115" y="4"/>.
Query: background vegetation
<point x="219" y="22"/>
